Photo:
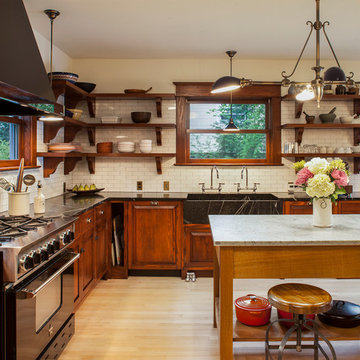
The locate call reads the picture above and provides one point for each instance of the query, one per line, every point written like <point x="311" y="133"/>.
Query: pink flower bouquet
<point x="322" y="179"/>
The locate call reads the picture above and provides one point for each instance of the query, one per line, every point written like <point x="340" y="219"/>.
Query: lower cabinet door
<point x="297" y="208"/>
<point x="101" y="253"/>
<point x="198" y="247"/>
<point x="87" y="260"/>
<point x="349" y="207"/>
<point x="155" y="229"/>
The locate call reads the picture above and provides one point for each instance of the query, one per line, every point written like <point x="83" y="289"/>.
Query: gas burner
<point x="13" y="226"/>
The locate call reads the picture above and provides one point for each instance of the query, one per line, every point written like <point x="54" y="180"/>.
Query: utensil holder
<point x="19" y="203"/>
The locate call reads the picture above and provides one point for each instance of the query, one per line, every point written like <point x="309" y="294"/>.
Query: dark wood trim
<point x="270" y="95"/>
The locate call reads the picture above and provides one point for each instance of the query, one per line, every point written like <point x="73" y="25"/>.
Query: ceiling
<point x="141" y="29"/>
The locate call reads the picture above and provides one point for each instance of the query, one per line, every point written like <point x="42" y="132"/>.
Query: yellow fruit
<point x="86" y="187"/>
<point x="75" y="188"/>
<point x="81" y="188"/>
<point x="92" y="187"/>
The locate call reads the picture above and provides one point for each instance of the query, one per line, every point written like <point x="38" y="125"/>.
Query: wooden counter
<point x="278" y="246"/>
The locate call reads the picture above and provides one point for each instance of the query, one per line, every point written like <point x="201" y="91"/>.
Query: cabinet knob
<point x="154" y="203"/>
<point x="82" y="250"/>
<point x="101" y="212"/>
<point x="88" y="220"/>
<point x="96" y="237"/>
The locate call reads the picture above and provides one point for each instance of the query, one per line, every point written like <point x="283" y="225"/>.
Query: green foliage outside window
<point x="8" y="141"/>
<point x="228" y="146"/>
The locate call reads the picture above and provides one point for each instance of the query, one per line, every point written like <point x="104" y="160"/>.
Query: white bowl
<point x="126" y="150"/>
<point x="145" y="142"/>
<point x="356" y="149"/>
<point x="346" y="119"/>
<point x="126" y="143"/>
<point x="146" y="151"/>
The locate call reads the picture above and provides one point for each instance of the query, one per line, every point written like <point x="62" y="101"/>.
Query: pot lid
<point x="252" y="302"/>
<point x="344" y="309"/>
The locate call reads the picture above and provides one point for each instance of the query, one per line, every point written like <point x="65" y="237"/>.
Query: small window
<point x="207" y="145"/>
<point x="9" y="140"/>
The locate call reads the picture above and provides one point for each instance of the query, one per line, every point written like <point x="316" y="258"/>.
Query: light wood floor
<point x="168" y="319"/>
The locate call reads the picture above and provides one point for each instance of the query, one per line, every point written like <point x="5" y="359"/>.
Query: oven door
<point x="43" y="305"/>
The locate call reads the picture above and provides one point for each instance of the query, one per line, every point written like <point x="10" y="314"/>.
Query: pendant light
<point x="334" y="75"/>
<point x="52" y="15"/>
<point x="231" y="126"/>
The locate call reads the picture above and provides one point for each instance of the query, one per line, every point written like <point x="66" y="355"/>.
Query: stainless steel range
<point x="39" y="285"/>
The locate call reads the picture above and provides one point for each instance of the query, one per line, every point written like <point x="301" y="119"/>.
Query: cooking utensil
<point x="342" y="314"/>
<point x="137" y="91"/>
<point x="86" y="86"/>
<point x="332" y="110"/>
<point x="309" y="118"/>
<point x="329" y="117"/>
<point x="20" y="176"/>
<point x="6" y="185"/>
<point x="29" y="180"/>
<point x="140" y="116"/>
<point x="253" y="310"/>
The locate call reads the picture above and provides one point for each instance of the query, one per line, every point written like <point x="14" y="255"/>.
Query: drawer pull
<point x="154" y="203"/>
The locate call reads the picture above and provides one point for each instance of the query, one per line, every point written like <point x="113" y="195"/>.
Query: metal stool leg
<point x="285" y="339"/>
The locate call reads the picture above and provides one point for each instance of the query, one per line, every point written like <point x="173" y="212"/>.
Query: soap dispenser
<point x="39" y="200"/>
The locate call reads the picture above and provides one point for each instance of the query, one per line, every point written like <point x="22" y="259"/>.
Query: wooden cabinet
<point x="87" y="273"/>
<point x="155" y="235"/>
<point x="349" y="207"/>
<point x="100" y="240"/>
<point x="297" y="208"/>
<point x="198" y="248"/>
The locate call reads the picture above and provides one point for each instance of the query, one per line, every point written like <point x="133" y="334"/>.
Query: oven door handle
<point x="27" y="293"/>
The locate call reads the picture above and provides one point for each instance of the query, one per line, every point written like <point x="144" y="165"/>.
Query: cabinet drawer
<point x="349" y="207"/>
<point x="100" y="212"/>
<point x="86" y="221"/>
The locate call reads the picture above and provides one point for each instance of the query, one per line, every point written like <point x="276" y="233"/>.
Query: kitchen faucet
<point x="219" y="188"/>
<point x="217" y="175"/>
<point x="247" y="176"/>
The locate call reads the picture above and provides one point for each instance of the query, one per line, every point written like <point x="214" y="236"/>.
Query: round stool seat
<point x="299" y="298"/>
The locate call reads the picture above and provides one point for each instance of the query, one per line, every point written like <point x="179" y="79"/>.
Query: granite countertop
<point x="282" y="230"/>
<point x="72" y="205"/>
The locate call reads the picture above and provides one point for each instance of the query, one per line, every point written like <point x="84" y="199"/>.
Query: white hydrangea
<point x="320" y="186"/>
<point x="318" y="166"/>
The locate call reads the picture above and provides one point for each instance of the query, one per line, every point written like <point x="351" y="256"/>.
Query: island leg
<point x="225" y="322"/>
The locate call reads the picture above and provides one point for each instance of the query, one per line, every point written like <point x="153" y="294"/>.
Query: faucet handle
<point x="202" y="186"/>
<point x="220" y="186"/>
<point x="255" y="186"/>
<point x="238" y="186"/>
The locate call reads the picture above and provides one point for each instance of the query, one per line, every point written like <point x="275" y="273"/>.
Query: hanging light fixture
<point x="52" y="15"/>
<point x="229" y="83"/>
<point x="334" y="75"/>
<point x="308" y="91"/>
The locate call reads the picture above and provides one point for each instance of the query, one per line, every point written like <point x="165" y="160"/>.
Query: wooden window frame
<point x="27" y="143"/>
<point x="187" y="93"/>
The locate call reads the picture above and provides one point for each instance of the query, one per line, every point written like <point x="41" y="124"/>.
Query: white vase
<point x="322" y="212"/>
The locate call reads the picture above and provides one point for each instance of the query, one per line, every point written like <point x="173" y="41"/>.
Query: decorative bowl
<point x="85" y="192"/>
<point x="140" y="116"/>
<point x="61" y="75"/>
<point x="86" y="86"/>
<point x="346" y="119"/>
<point x="327" y="118"/>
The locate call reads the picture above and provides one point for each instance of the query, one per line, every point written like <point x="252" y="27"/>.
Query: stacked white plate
<point x="126" y="146"/>
<point x="145" y="146"/>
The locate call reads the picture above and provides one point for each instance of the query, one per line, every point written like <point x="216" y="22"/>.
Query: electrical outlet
<point x="166" y="185"/>
<point x="139" y="185"/>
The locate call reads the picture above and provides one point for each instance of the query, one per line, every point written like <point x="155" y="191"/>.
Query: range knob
<point x="44" y="254"/>
<point x="49" y="247"/>
<point x="26" y="262"/>
<point x="36" y="256"/>
<point x="66" y="239"/>
<point x="55" y="244"/>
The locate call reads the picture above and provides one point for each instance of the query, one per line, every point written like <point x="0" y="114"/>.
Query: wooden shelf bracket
<point x="51" y="129"/>
<point x="70" y="132"/>
<point x="298" y="108"/>
<point x="69" y="164"/>
<point x="91" y="164"/>
<point x="299" y="135"/>
<point x="50" y="165"/>
<point x="91" y="103"/>
<point x="158" y="136"/>
<point x="158" y="165"/>
<point x="158" y="107"/>
<point x="91" y="130"/>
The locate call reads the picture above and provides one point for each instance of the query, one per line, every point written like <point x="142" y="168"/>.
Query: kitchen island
<point x="278" y="246"/>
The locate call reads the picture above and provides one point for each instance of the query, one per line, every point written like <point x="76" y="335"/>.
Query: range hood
<point x="24" y="85"/>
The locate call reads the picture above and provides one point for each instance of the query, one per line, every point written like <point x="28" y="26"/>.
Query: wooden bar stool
<point x="300" y="300"/>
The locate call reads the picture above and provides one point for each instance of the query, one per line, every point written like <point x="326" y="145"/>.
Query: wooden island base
<point x="257" y="262"/>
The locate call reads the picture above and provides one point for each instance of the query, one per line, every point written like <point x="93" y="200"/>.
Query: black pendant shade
<point x="225" y="83"/>
<point x="334" y="74"/>
<point x="231" y="126"/>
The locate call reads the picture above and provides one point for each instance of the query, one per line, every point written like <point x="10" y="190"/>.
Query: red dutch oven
<point x="253" y="310"/>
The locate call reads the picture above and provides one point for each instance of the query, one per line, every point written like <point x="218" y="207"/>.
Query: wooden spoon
<point x="20" y="176"/>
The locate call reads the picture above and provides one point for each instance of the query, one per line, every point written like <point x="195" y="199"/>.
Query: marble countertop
<point x="281" y="230"/>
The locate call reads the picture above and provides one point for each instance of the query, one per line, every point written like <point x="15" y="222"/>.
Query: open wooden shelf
<point x="158" y="98"/>
<point x="257" y="333"/>
<point x="152" y="126"/>
<point x="53" y="159"/>
<point x="299" y="104"/>
<point x="320" y="126"/>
